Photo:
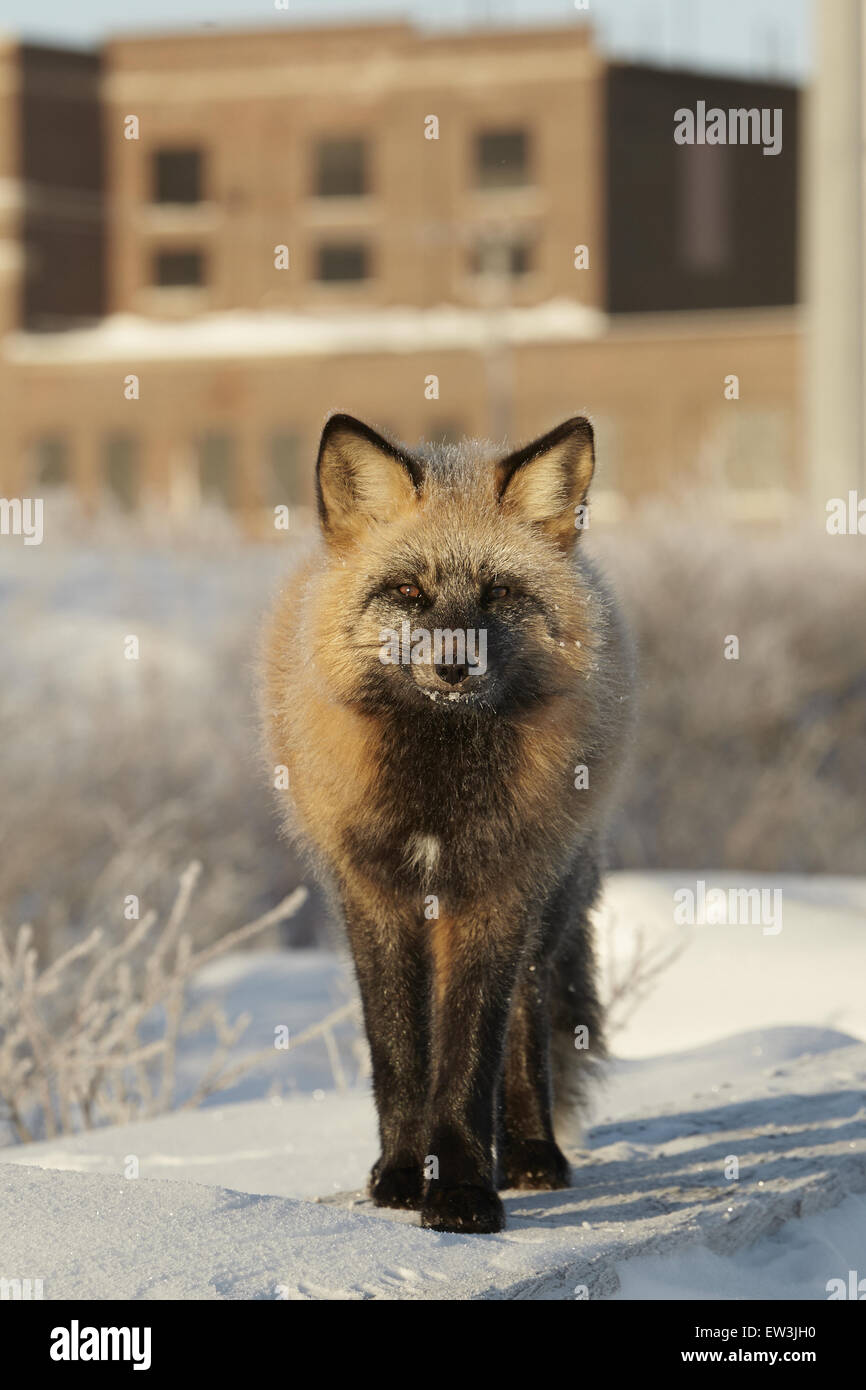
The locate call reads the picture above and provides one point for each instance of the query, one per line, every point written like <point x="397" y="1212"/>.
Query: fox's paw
<point x="396" y="1187"/>
<point x="534" y="1163"/>
<point x="475" y="1209"/>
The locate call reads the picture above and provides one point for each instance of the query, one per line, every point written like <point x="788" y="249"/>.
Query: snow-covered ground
<point x="726" y="1155"/>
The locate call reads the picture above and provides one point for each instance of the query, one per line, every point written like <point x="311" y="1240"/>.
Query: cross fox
<point x="455" y="807"/>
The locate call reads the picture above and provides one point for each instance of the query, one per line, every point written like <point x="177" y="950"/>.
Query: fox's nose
<point x="452" y="675"/>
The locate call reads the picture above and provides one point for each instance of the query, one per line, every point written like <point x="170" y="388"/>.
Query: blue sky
<point x="768" y="37"/>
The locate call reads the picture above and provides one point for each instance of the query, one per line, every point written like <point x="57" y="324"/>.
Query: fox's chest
<point x="449" y="804"/>
<point x="444" y="814"/>
<point x="412" y="854"/>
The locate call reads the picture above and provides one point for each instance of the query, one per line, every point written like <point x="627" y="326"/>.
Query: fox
<point x="455" y="808"/>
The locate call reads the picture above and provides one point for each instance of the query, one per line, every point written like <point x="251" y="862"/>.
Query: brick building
<point x="474" y="233"/>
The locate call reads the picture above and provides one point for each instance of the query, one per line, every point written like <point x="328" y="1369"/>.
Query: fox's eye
<point x="498" y="591"/>
<point x="408" y="590"/>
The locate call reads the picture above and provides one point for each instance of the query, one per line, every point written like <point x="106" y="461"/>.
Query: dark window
<point x="343" y="261"/>
<point x="51" y="461"/>
<point x="179" y="268"/>
<point x="502" y="159"/>
<point x="121" y="469"/>
<point x="216" y="468"/>
<point x="177" y="176"/>
<point x="704" y="208"/>
<point x="505" y="258"/>
<point x="285" y="482"/>
<point x="341" y="169"/>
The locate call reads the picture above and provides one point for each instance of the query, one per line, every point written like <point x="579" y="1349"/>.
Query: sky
<point x="758" y="37"/>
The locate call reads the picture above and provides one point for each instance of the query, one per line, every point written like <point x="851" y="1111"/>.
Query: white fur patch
<point x="423" y="852"/>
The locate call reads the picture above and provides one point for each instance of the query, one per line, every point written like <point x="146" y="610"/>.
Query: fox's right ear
<point x="361" y="477"/>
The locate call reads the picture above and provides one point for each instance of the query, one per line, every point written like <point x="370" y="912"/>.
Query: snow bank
<point x="274" y="334"/>
<point x="724" y="1122"/>
<point x="734" y="977"/>
<point x="653" y="1184"/>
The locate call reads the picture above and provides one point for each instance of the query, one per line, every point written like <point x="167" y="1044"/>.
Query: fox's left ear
<point x="547" y="481"/>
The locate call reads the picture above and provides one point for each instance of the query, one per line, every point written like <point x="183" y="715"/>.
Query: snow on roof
<point x="271" y="334"/>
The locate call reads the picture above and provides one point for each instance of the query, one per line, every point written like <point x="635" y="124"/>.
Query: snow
<point x="735" y="976"/>
<point x="272" y="333"/>
<point x="796" y="1263"/>
<point x="750" y="1048"/>
<point x="650" y="1188"/>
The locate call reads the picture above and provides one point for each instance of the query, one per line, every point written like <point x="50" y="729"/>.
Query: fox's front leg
<point x="475" y="961"/>
<point x="393" y="975"/>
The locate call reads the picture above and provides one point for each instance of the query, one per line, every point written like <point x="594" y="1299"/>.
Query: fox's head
<point x="450" y="578"/>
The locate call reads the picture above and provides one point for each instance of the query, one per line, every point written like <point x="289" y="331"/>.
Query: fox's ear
<point x="361" y="477"/>
<point x="548" y="480"/>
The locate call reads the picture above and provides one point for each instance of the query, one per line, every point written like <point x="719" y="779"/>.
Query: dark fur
<point x="403" y="792"/>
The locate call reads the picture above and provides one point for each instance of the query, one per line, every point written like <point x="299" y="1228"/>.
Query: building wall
<point x="11" y="189"/>
<point x="662" y="427"/>
<point x="697" y="226"/>
<point x="61" y="165"/>
<point x="600" y="172"/>
<point x="834" y="261"/>
<point x="256" y="105"/>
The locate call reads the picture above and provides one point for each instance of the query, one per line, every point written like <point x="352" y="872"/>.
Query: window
<point x="216" y="468"/>
<point x="121" y="469"/>
<point x="285" y="483"/>
<point x="51" y="462"/>
<point x="342" y="261"/>
<point x="504" y="257"/>
<point x="502" y="159"/>
<point x="341" y="169"/>
<point x="178" y="268"/>
<point x="177" y="176"/>
<point x="703" y="208"/>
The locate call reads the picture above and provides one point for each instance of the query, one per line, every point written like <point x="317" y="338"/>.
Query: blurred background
<point x="460" y="219"/>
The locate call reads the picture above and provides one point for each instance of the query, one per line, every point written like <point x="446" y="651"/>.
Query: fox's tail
<point x="577" y="1043"/>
